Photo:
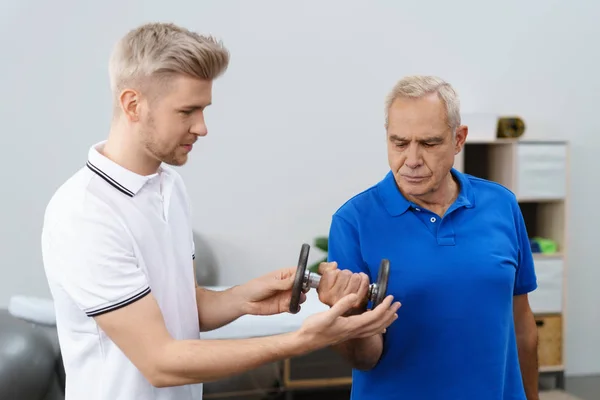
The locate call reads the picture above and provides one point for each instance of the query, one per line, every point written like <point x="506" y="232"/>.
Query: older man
<point x="461" y="265"/>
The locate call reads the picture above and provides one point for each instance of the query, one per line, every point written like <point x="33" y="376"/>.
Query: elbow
<point x="172" y="366"/>
<point x="364" y="365"/>
<point x="158" y="381"/>
<point x="365" y="362"/>
<point x="156" y="369"/>
<point x="156" y="375"/>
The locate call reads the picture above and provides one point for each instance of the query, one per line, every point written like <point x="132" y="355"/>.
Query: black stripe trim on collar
<point x="120" y="304"/>
<point x="110" y="180"/>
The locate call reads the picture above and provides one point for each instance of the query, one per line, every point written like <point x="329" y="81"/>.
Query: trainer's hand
<point x="269" y="294"/>
<point x="331" y="327"/>
<point x="336" y="283"/>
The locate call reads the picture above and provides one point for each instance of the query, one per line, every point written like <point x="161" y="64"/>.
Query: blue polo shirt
<point x="455" y="277"/>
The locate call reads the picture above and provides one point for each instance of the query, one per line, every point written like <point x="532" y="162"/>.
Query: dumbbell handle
<point x="305" y="280"/>
<point x="312" y="280"/>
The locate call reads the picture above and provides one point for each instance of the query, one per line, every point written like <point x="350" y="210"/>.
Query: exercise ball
<point x="27" y="360"/>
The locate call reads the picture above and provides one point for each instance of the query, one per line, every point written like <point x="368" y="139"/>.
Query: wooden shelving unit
<point x="536" y="171"/>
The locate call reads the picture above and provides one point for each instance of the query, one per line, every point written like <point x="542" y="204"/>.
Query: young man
<point x="118" y="248"/>
<point x="460" y="260"/>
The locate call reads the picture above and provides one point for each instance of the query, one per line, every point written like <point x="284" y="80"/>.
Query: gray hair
<point x="159" y="49"/>
<point x="417" y="86"/>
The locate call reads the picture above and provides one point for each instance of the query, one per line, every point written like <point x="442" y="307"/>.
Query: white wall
<point x="296" y="125"/>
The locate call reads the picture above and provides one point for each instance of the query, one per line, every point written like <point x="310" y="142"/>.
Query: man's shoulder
<point x="77" y="198"/>
<point x="358" y="204"/>
<point x="70" y="194"/>
<point x="487" y="189"/>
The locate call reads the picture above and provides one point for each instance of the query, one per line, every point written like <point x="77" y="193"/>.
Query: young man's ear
<point x="129" y="102"/>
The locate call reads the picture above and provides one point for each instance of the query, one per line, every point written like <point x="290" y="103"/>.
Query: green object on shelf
<point x="547" y="246"/>
<point x="320" y="243"/>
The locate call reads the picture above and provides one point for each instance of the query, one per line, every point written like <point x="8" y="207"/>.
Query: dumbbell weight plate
<point x="299" y="279"/>
<point x="382" y="282"/>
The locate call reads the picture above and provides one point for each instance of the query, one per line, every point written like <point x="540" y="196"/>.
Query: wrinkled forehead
<point x="419" y="132"/>
<point x="417" y="117"/>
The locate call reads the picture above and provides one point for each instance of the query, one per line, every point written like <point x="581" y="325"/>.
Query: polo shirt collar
<point x="396" y="204"/>
<point x="122" y="179"/>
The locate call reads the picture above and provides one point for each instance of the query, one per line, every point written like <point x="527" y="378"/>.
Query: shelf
<point x="534" y="170"/>
<point x="545" y="219"/>
<point x="552" y="368"/>
<point x="544" y="256"/>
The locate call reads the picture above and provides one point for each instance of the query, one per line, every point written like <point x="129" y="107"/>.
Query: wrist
<point x="356" y="310"/>
<point x="305" y="342"/>
<point x="239" y="302"/>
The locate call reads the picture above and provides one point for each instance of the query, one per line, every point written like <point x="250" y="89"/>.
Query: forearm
<point x="528" y="360"/>
<point x="194" y="361"/>
<point x="217" y="308"/>
<point x="362" y="354"/>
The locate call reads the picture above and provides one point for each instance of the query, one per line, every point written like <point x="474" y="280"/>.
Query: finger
<point x="356" y="284"/>
<point x="286" y="273"/>
<point x="343" y="305"/>
<point x="390" y="316"/>
<point x="381" y="325"/>
<point x="363" y="289"/>
<point x="329" y="279"/>
<point x="302" y="298"/>
<point x="373" y="318"/>
<point x="285" y="283"/>
<point x="327" y="266"/>
<point x="346" y="279"/>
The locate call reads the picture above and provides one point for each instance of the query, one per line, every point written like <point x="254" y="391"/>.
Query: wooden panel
<point x="549" y="340"/>
<point x="318" y="369"/>
<point x="551" y="222"/>
<point x="502" y="165"/>
<point x="494" y="162"/>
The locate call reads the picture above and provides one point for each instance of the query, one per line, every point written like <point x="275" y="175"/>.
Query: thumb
<point x="344" y="305"/>
<point x="286" y="283"/>
<point x="327" y="266"/>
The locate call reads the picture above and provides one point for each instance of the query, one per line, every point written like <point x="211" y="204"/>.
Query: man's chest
<point x="438" y="261"/>
<point x="162" y="238"/>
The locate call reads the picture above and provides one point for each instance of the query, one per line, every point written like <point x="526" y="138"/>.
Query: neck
<point x="124" y="148"/>
<point x="440" y="199"/>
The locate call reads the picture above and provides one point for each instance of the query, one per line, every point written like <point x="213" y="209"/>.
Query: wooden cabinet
<point x="550" y="339"/>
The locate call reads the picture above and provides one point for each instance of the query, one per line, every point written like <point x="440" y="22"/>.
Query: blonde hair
<point x="416" y="86"/>
<point x="163" y="49"/>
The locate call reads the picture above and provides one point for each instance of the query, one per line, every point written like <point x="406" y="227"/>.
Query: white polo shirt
<point x="109" y="238"/>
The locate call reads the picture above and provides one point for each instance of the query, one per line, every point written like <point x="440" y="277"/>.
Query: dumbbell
<point x="305" y="279"/>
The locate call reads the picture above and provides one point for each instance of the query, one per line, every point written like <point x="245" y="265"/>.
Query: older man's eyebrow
<point x="430" y="139"/>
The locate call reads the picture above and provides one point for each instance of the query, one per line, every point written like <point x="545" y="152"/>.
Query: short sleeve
<point x="344" y="246"/>
<point x="91" y="257"/>
<point x="526" y="280"/>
